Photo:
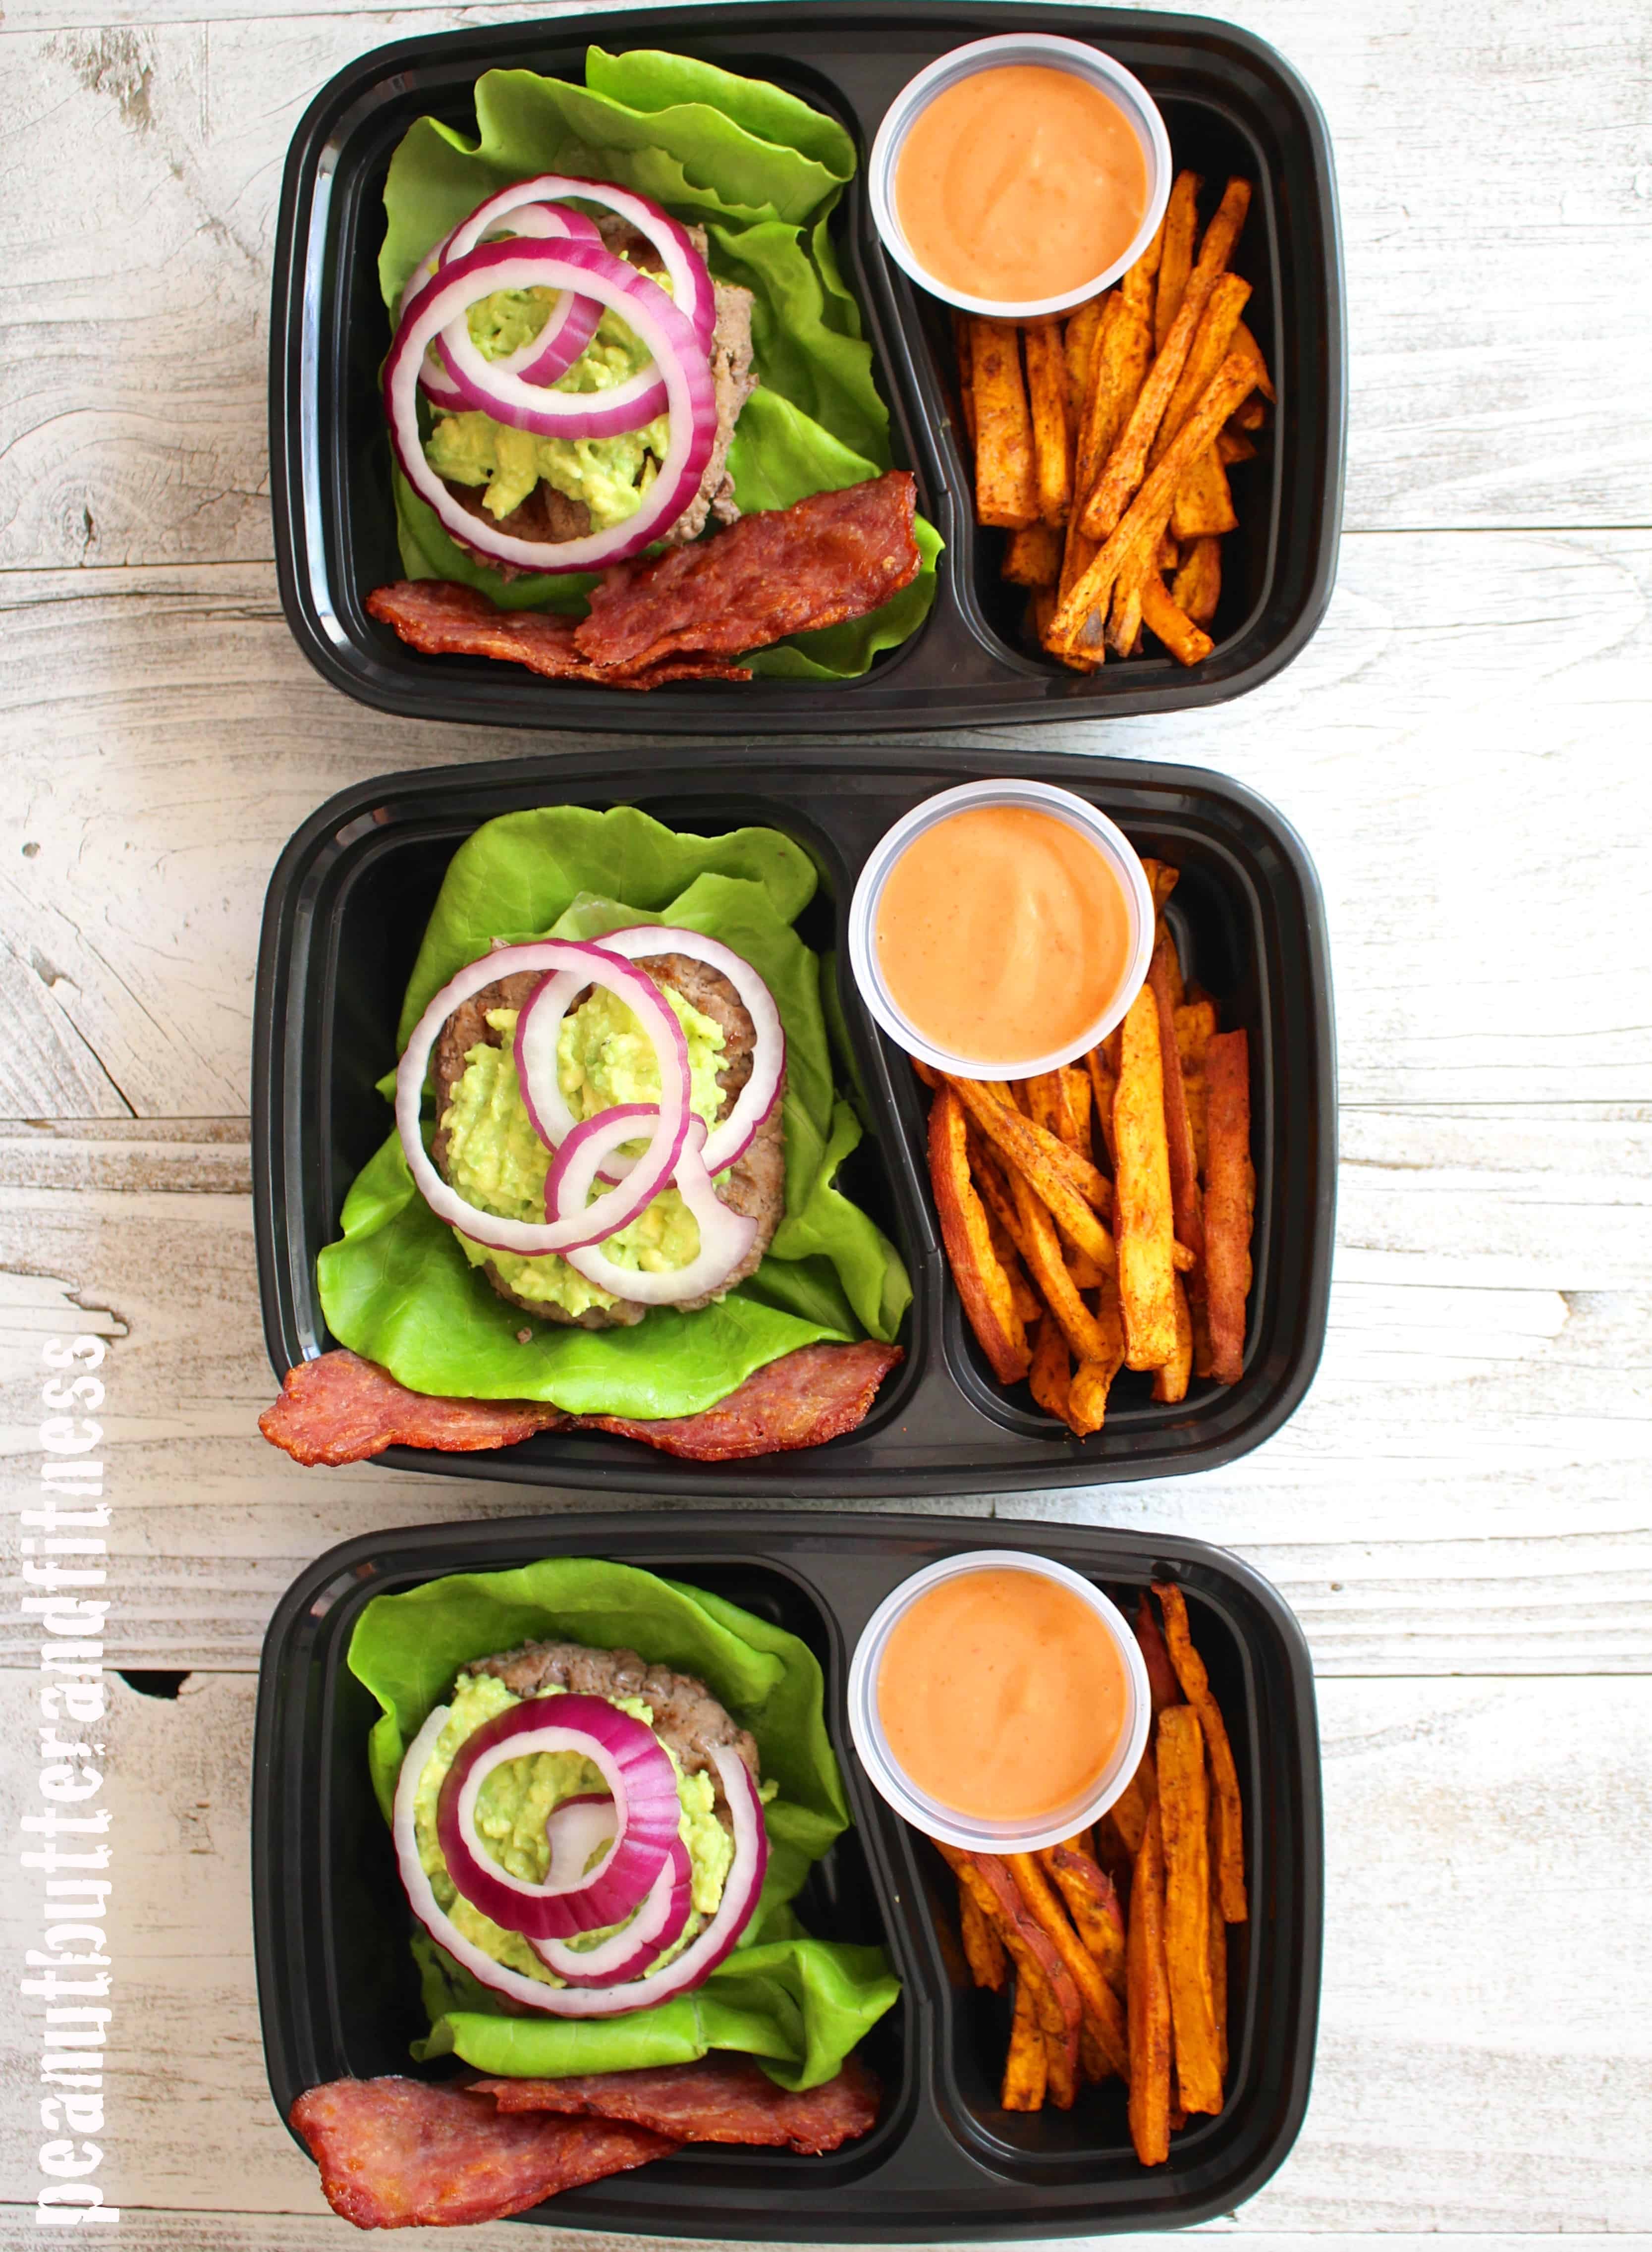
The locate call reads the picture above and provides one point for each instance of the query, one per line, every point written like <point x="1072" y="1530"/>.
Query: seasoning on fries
<point x="1073" y="422"/>
<point x="1122" y="1970"/>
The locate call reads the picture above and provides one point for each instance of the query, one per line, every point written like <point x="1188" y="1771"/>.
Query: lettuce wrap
<point x="397" y="1289"/>
<point x="762" y="173"/>
<point x="797" y="2004"/>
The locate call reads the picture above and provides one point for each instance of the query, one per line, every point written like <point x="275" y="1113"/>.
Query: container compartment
<point x="348" y="900"/>
<point x="337" y="1988"/>
<point x="1231" y="104"/>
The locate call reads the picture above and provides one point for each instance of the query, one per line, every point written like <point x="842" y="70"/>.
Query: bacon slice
<point x="834" y="555"/>
<point x="397" y="2153"/>
<point x="721" y="2099"/>
<point x="802" y="1399"/>
<point x="342" y="1408"/>
<point x="445" y="619"/>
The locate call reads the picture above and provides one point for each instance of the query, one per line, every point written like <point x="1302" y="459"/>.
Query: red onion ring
<point x="726" y="1236"/>
<point x="678" y="354"/>
<point x="627" y="1953"/>
<point x="531" y="1240"/>
<point x="574" y="1828"/>
<point x="572" y="318"/>
<point x="640" y="1777"/>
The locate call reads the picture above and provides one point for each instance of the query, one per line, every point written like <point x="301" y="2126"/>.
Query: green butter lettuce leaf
<point x="762" y="171"/>
<point x="397" y="1289"/>
<point x="799" y="2004"/>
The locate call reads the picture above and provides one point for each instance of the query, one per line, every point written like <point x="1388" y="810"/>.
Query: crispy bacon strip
<point x="397" y="2153"/>
<point x="342" y="1408"/>
<point x="802" y="1399"/>
<point x="778" y="571"/>
<point x="444" y="619"/>
<point x="721" y="2099"/>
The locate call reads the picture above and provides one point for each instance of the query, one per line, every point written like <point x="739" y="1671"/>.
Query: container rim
<point x="929" y="1816"/>
<point x="1039" y="796"/>
<point x="1055" y="51"/>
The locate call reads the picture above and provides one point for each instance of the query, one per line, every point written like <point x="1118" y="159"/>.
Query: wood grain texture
<point x="1491" y="164"/>
<point x="1458" y="2088"/>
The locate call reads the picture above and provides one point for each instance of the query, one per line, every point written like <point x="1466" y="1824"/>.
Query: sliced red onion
<point x="726" y="1236"/>
<point x="628" y="1953"/>
<point x="678" y="356"/>
<point x="652" y="1171"/>
<point x="571" y="321"/>
<point x="692" y="291"/>
<point x="575" y="1829"/>
<point x="640" y="1777"/>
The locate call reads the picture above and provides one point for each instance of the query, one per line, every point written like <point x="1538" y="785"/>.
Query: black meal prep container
<point x="338" y="1995"/>
<point x="1231" y="105"/>
<point x="348" y="904"/>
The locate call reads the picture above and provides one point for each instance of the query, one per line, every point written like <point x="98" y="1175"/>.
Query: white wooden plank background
<point x="1458" y="1513"/>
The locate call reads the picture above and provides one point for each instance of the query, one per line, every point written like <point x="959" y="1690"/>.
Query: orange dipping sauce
<point x="1020" y="183"/>
<point x="1002" y="933"/>
<point x="1002" y="1695"/>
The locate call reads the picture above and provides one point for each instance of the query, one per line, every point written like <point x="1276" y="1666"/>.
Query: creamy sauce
<point x="1020" y="183"/>
<point x="1002" y="1694"/>
<point x="1002" y="933"/>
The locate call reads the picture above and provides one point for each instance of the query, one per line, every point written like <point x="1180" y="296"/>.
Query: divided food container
<point x="338" y="1993"/>
<point x="348" y="904"/>
<point x="1231" y="105"/>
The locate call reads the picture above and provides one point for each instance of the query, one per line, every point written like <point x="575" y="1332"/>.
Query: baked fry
<point x="1100" y="2005"/>
<point x="1232" y="446"/>
<point x="1006" y="487"/>
<point x="982" y="1285"/>
<point x="1184" y="1814"/>
<point x="1164" y="1687"/>
<point x="1212" y="340"/>
<point x="1053" y="1993"/>
<point x="1178" y="1133"/>
<point x="1092" y="1379"/>
<point x="1051" y="439"/>
<point x="1170" y="1382"/>
<point x="1031" y="1148"/>
<point x="1176" y="260"/>
<point x="1050" y="1374"/>
<point x="1106" y="504"/>
<point x="1195" y="1023"/>
<point x="1032" y="557"/>
<point x="1203" y="503"/>
<point x="1230" y="1201"/>
<point x="1196" y="1687"/>
<point x="1246" y="344"/>
<point x="1149" y="1980"/>
<point x="1083" y="1331"/>
<point x="1129" y="1810"/>
<point x="1187" y="642"/>
<point x="1025" y="2068"/>
<point x="1078" y="343"/>
<point x="983" y="1950"/>
<point x="1144" y="1221"/>
<point x="1103" y="1086"/>
<point x="1136" y="284"/>
<point x="1198" y="585"/>
<point x="1161" y="879"/>
<point x="1093" y="1903"/>
<point x="1218" y="1946"/>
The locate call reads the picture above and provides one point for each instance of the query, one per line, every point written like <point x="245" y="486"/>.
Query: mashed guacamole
<point x="497" y="1161"/>
<point x="610" y="474"/>
<point x="512" y="1811"/>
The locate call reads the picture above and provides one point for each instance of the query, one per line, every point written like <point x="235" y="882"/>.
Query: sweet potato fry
<point x="1212" y="340"/>
<point x="1196" y="1687"/>
<point x="1129" y="1810"/>
<point x="1249" y="415"/>
<point x="1025" y="2069"/>
<point x="1139" y="528"/>
<point x="1219" y="1945"/>
<point x="1106" y="504"/>
<point x="1053" y="1993"/>
<point x="1093" y="1903"/>
<point x="1149" y="2002"/>
<point x="982" y="1285"/>
<point x="1195" y="1023"/>
<point x="1230" y="1201"/>
<point x="1123" y="349"/>
<point x="1103" y="1086"/>
<point x="1032" y="558"/>
<point x="1144" y="1219"/>
<point x="1031" y="1148"/>
<point x="1197" y="587"/>
<point x="1092" y="1379"/>
<point x="1188" y="643"/>
<point x="983" y="1950"/>
<point x="1246" y="344"/>
<point x="1203" y="503"/>
<point x="1137" y="284"/>
<point x="1184" y="1814"/>
<point x="1164" y="1687"/>
<point x="1178" y="1133"/>
<point x="1074" y="1126"/>
<point x="1161" y="879"/>
<point x="1078" y="343"/>
<point x="1170" y="1382"/>
<point x="1083" y="1331"/>
<point x="1051" y="1371"/>
<point x="1100" y="2005"/>
<point x="1006" y="486"/>
<point x="1232" y="446"/>
<point x="1051" y="439"/>
<point x="1176" y="260"/>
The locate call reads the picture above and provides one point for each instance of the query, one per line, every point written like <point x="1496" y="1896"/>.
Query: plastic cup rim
<point x="1064" y="804"/>
<point x="974" y="1833"/>
<point x="1082" y="60"/>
